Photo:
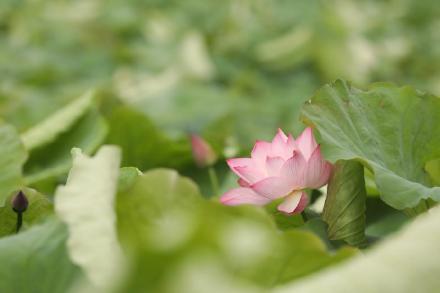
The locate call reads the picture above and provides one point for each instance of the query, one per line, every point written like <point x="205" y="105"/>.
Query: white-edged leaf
<point x="86" y="205"/>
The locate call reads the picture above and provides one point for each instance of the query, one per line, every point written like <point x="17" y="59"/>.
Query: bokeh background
<point x="231" y="71"/>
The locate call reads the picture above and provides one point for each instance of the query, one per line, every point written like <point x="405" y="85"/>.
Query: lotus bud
<point x="19" y="202"/>
<point x="203" y="154"/>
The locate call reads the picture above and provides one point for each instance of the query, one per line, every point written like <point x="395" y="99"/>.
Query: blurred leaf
<point x="163" y="222"/>
<point x="54" y="159"/>
<point x="308" y="255"/>
<point x="394" y="131"/>
<point x="12" y="158"/>
<point x="142" y="143"/>
<point x="148" y="197"/>
<point x="59" y="122"/>
<point x="39" y="208"/>
<point x="319" y="228"/>
<point x="405" y="263"/>
<point x="283" y="221"/>
<point x="344" y="209"/>
<point x="85" y="204"/>
<point x="36" y="261"/>
<point x="386" y="225"/>
<point x="382" y="220"/>
<point x="370" y="185"/>
<point x="433" y="169"/>
<point x="127" y="177"/>
<point x="186" y="107"/>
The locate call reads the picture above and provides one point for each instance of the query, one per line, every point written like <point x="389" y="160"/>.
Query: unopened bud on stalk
<point x="19" y="205"/>
<point x="203" y="154"/>
<point x="19" y="202"/>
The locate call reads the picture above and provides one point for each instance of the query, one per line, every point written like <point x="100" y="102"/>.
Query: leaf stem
<point x="214" y="180"/>
<point x="304" y="216"/>
<point x="19" y="221"/>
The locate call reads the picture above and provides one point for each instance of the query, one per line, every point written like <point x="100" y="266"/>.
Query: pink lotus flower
<point x="280" y="169"/>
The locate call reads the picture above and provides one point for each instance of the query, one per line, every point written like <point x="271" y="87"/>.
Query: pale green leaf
<point x="59" y="122"/>
<point x="54" y="159"/>
<point x="86" y="205"/>
<point x="127" y="177"/>
<point x="393" y="130"/>
<point x="433" y="169"/>
<point x="36" y="261"/>
<point x="143" y="144"/>
<point x="165" y="223"/>
<point x="406" y="262"/>
<point x="12" y="158"/>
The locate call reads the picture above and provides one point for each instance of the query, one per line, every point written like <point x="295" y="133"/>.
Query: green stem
<point x="304" y="216"/>
<point x="19" y="221"/>
<point x="214" y="180"/>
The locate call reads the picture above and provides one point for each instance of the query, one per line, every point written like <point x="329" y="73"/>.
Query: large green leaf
<point x="169" y="228"/>
<point x="39" y="208"/>
<point x="12" y="158"/>
<point x="404" y="263"/>
<point x="86" y="205"/>
<point x="59" y="122"/>
<point x="54" y="159"/>
<point x="36" y="261"/>
<point x="142" y="143"/>
<point x="393" y="130"/>
<point x="344" y="209"/>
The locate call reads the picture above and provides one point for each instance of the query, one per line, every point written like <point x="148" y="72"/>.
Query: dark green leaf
<point x="344" y="209"/>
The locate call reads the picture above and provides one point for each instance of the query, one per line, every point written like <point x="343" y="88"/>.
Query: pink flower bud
<point x="203" y="153"/>
<point x="283" y="168"/>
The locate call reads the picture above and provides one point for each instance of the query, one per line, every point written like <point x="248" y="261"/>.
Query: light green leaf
<point x="304" y="253"/>
<point x="282" y="221"/>
<point x="165" y="222"/>
<point x="85" y="204"/>
<point x="393" y="130"/>
<point x="143" y="144"/>
<point x="127" y="177"/>
<point x="344" y="209"/>
<point x="149" y="196"/>
<point x="433" y="169"/>
<point x="59" y="122"/>
<point x="404" y="263"/>
<point x="36" y="261"/>
<point x="39" y="208"/>
<point x="12" y="158"/>
<point x="54" y="159"/>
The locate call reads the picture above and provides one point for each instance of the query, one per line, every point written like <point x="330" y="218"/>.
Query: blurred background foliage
<point x="232" y="71"/>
